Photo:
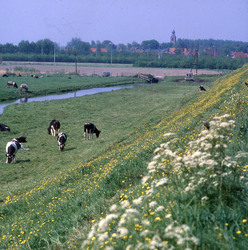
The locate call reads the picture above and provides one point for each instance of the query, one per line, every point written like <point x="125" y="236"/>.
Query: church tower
<point x="173" y="38"/>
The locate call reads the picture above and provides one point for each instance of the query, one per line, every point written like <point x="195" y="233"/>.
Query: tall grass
<point x="149" y="208"/>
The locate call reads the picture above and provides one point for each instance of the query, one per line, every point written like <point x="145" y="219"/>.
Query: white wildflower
<point x="144" y="233"/>
<point x="123" y="231"/>
<point x="168" y="216"/>
<point x="151" y="164"/>
<point x="157" y="150"/>
<point x="213" y="175"/>
<point x="162" y="182"/>
<point x="103" y="237"/>
<point x="224" y="124"/>
<point x="156" y="157"/>
<point x="144" y="179"/>
<point x="153" y="204"/>
<point x="169" y="134"/>
<point x="160" y="208"/>
<point x="109" y="248"/>
<point x="241" y="154"/>
<point x="204" y="198"/>
<point x="146" y="222"/>
<point x="113" y="208"/>
<point x="129" y="247"/>
<point x="137" y="201"/>
<point x="124" y="204"/>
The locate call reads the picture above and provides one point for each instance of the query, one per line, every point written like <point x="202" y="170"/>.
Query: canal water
<point x="65" y="96"/>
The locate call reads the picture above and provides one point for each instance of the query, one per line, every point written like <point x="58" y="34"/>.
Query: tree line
<point x="149" y="53"/>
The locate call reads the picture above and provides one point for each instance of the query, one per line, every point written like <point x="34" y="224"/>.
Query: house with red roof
<point x="239" y="54"/>
<point x="102" y="50"/>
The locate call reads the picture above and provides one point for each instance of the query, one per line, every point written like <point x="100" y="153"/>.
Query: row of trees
<point x="150" y="59"/>
<point x="47" y="46"/>
<point x="147" y="54"/>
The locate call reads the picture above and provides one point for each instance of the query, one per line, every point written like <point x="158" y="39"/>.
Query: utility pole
<point x="54" y="51"/>
<point x="75" y="61"/>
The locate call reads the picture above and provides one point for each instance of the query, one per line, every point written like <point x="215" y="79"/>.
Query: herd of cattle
<point x="13" y="146"/>
<point x="23" y="86"/>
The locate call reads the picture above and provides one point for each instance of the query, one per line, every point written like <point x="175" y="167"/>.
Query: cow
<point x="54" y="125"/>
<point x="61" y="140"/>
<point x="4" y="75"/>
<point x="89" y="130"/>
<point x="201" y="88"/>
<point x="24" y="86"/>
<point x="12" y="148"/>
<point x="4" y="127"/>
<point x="10" y="83"/>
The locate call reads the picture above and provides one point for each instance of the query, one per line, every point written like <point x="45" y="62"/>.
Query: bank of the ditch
<point x="57" y="84"/>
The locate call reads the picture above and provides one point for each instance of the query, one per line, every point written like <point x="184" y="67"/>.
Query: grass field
<point x="51" y="199"/>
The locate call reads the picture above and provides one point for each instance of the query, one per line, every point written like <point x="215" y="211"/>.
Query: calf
<point x="201" y="88"/>
<point x="89" y="130"/>
<point x="54" y="125"/>
<point x="61" y="140"/>
<point x="24" y="86"/>
<point x="10" y="83"/>
<point x="4" y="127"/>
<point x="13" y="146"/>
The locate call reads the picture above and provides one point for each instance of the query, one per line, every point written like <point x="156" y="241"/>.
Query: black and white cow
<point x="12" y="148"/>
<point x="54" y="126"/>
<point x="10" y="83"/>
<point x="24" y="86"/>
<point x="4" y="127"/>
<point x="61" y="140"/>
<point x="89" y="130"/>
<point x="201" y="88"/>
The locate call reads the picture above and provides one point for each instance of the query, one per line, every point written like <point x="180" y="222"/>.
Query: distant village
<point x="183" y="51"/>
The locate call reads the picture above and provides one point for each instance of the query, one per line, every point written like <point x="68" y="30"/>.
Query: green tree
<point x="24" y="47"/>
<point x="73" y="43"/>
<point x="83" y="48"/>
<point x="150" y="44"/>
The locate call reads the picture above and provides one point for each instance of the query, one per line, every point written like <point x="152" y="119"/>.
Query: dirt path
<point x="114" y="71"/>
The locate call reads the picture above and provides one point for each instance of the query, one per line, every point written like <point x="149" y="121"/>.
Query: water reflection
<point x="23" y="99"/>
<point x="64" y="96"/>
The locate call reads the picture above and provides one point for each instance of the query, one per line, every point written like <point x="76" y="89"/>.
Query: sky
<point x="122" y="21"/>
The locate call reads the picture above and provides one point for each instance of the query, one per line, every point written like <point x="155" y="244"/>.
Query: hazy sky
<point x="122" y="21"/>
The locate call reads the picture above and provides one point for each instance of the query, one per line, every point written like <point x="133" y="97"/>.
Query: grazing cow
<point x="5" y="75"/>
<point x="61" y="140"/>
<point x="54" y="125"/>
<point x="4" y="127"/>
<point x="89" y="130"/>
<point x="24" y="86"/>
<point x="10" y="83"/>
<point x="35" y="76"/>
<point x="12" y="148"/>
<point x="201" y="88"/>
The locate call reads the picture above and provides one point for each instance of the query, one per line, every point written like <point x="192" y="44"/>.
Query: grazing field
<point x="88" y="69"/>
<point x="99" y="193"/>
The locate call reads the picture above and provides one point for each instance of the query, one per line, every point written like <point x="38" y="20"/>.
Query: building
<point x="173" y="38"/>
<point x="239" y="54"/>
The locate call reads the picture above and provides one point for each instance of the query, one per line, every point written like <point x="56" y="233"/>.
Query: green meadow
<point x="131" y="188"/>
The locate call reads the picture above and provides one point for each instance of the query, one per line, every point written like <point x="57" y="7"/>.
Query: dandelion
<point x="244" y="220"/>
<point x="238" y="232"/>
<point x="157" y="219"/>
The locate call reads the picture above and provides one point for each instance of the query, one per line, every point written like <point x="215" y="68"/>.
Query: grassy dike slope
<point x="59" y="212"/>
